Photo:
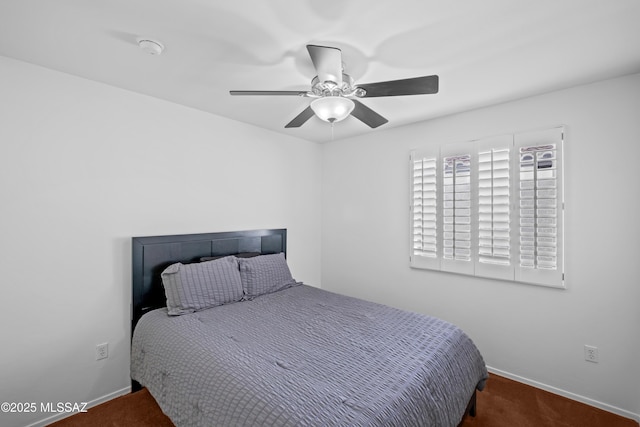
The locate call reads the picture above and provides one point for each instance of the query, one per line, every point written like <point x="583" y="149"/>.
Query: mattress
<point x="306" y="357"/>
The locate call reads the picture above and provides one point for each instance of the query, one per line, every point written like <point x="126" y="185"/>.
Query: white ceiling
<point x="485" y="51"/>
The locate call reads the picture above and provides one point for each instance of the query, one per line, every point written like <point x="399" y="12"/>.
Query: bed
<point x="292" y="355"/>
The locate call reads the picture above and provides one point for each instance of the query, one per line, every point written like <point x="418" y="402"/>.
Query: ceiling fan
<point x="336" y="94"/>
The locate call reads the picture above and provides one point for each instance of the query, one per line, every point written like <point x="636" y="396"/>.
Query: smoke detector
<point x="152" y="47"/>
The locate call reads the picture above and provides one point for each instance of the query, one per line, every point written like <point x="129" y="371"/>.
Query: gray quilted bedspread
<point x="306" y="357"/>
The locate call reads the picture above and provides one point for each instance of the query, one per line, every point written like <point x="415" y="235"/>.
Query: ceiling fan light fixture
<point x="332" y="108"/>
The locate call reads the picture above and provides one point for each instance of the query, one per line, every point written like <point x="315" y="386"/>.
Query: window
<point x="491" y="208"/>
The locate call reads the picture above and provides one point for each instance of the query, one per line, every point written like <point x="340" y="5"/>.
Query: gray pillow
<point x="264" y="274"/>
<point x="194" y="287"/>
<point x="240" y="255"/>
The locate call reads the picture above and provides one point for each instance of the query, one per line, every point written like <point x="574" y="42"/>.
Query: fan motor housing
<point x="329" y="88"/>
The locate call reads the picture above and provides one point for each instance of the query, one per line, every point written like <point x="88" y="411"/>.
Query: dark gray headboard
<point x="151" y="255"/>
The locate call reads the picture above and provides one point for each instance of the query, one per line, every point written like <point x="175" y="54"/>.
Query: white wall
<point x="83" y="168"/>
<point x="532" y="332"/>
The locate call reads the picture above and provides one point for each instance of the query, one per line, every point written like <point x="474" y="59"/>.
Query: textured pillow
<point x="194" y="287"/>
<point x="240" y="255"/>
<point x="264" y="274"/>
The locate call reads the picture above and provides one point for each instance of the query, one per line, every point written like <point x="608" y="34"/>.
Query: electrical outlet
<point x="102" y="351"/>
<point x="591" y="353"/>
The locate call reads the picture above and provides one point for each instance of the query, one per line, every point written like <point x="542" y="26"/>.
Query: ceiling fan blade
<point x="301" y="118"/>
<point x="328" y="62"/>
<point x="415" y="86"/>
<point x="366" y="115"/>
<point x="268" y="92"/>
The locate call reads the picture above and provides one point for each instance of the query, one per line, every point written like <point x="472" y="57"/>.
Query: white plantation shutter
<point x="494" y="182"/>
<point x="491" y="208"/>
<point x="457" y="205"/>
<point x="424" y="205"/>
<point x="540" y="206"/>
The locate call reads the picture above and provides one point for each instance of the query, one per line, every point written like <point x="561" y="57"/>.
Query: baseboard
<point x="91" y="404"/>
<point x="567" y="394"/>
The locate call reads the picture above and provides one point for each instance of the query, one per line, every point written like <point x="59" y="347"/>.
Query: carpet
<point x="503" y="403"/>
<point x="508" y="403"/>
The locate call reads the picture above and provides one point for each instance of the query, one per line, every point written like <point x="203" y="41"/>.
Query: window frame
<point x="514" y="271"/>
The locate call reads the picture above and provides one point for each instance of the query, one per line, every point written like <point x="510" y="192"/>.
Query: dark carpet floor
<point x="503" y="403"/>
